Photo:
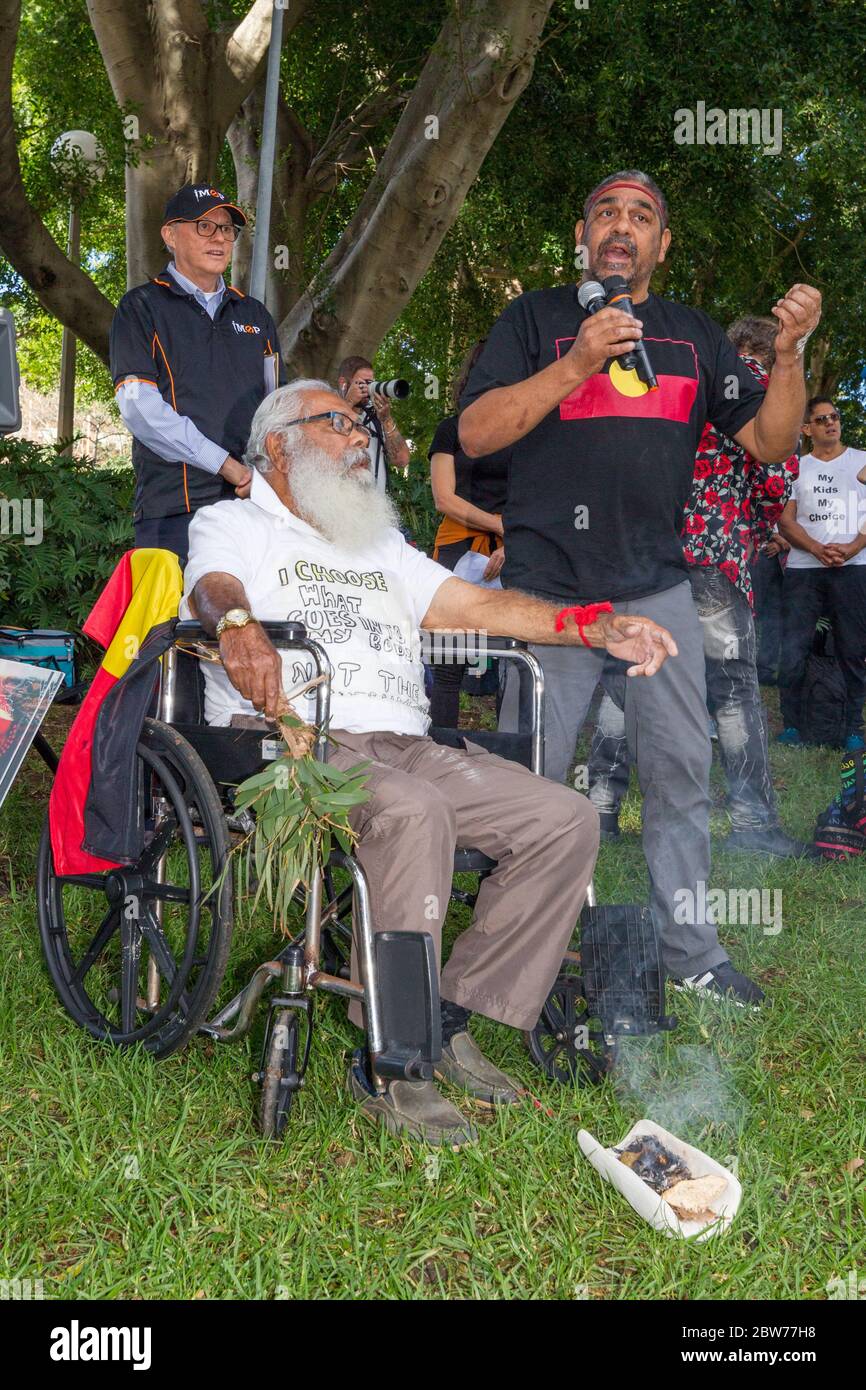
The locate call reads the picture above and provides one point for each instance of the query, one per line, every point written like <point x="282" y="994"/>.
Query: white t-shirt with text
<point x="364" y="607"/>
<point x="831" y="504"/>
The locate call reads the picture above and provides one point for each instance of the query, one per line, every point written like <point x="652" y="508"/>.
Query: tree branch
<point x="240" y="52"/>
<point x="449" y="123"/>
<point x="346" y="140"/>
<point x="61" y="288"/>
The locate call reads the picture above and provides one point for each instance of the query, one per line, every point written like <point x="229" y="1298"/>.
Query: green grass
<point x="128" y="1178"/>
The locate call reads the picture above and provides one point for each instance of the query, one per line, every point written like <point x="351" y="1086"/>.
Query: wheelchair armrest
<point x="281" y="633"/>
<point x="284" y="635"/>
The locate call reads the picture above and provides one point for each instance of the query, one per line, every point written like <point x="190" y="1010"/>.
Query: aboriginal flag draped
<point x="94" y="811"/>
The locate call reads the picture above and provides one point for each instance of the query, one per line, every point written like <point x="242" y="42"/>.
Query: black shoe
<point x="724" y="982"/>
<point x="769" y="839"/>
<point x="609" y="824"/>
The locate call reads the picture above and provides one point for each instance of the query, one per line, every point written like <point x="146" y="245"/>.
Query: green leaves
<point x="301" y="807"/>
<point x="86" y="524"/>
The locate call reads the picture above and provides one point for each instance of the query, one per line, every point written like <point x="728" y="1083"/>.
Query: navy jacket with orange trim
<point x="211" y="370"/>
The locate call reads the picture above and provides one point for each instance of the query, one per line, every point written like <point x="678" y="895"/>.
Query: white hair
<point x="284" y="404"/>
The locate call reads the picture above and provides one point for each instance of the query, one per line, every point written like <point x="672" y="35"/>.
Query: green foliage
<point x="302" y="810"/>
<point x="414" y="499"/>
<point x="86" y="521"/>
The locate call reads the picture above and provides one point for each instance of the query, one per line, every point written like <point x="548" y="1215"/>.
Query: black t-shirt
<point x="481" y="481"/>
<point x="628" y="460"/>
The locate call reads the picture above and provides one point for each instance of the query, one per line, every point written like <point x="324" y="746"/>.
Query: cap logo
<point x="208" y="193"/>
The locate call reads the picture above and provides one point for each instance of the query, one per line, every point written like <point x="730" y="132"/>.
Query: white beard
<point x="343" y="507"/>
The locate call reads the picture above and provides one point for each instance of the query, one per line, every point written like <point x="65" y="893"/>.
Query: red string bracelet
<point x="584" y="617"/>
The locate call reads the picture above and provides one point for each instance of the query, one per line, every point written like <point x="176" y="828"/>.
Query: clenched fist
<point x="799" y="314"/>
<point x="609" y="333"/>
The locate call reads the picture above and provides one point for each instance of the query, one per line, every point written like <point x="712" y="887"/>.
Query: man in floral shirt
<point x="735" y="504"/>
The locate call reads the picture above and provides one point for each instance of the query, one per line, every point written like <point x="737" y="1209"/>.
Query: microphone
<point x="591" y="296"/>
<point x="617" y="294"/>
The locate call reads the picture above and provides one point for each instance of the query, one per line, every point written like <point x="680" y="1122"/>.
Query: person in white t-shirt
<point x="825" y="524"/>
<point x="316" y="542"/>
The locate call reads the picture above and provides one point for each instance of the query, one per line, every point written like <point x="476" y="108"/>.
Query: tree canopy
<point x="373" y="230"/>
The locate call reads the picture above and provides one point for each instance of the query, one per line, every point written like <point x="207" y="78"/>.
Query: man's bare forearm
<point x="795" y="534"/>
<point x="396" y="448"/>
<point x="214" y="595"/>
<point x="458" y="606"/>
<point x="778" y="422"/>
<point x="534" y="620"/>
<point x="502" y="416"/>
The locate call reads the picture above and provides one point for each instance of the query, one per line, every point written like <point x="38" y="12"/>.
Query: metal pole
<point x="66" y="407"/>
<point x="267" y="155"/>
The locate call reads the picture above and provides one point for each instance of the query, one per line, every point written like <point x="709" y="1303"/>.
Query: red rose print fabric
<point x="736" y="502"/>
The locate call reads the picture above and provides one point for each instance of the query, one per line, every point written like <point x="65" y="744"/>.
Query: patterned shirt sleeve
<point x="770" y="491"/>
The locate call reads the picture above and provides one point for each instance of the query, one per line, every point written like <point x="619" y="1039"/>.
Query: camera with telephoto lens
<point x="396" y="389"/>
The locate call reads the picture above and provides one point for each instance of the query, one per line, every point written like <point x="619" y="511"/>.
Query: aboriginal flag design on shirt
<point x="618" y="393"/>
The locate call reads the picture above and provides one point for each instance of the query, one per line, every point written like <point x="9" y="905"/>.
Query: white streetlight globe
<point x="78" y="150"/>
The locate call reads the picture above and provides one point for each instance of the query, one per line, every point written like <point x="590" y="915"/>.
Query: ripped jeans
<point x="733" y="699"/>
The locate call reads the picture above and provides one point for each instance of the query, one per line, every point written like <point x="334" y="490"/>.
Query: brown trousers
<point x="426" y="800"/>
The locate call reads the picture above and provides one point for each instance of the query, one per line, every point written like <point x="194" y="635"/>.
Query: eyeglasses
<point x="210" y="229"/>
<point x="343" y="424"/>
<point x="832" y="415"/>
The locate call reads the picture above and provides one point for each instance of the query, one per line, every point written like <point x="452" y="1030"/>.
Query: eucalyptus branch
<point x="301" y="807"/>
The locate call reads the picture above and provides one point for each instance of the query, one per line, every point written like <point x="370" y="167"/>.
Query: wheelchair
<point x="137" y="955"/>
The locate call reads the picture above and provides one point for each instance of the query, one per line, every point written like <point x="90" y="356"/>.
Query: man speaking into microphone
<point x="601" y="469"/>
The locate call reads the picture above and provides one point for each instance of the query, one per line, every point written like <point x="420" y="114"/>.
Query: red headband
<point x="641" y="188"/>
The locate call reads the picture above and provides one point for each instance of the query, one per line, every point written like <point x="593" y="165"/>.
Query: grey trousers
<point x="426" y="800"/>
<point x="666" y="728"/>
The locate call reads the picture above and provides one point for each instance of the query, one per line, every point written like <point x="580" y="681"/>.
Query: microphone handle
<point x="637" y="360"/>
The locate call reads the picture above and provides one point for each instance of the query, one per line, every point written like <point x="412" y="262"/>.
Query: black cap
<point x="194" y="200"/>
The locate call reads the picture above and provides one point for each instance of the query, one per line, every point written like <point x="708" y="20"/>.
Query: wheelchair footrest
<point x="408" y="991"/>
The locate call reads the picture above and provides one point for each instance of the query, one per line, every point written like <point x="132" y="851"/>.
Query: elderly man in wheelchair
<point x="315" y="543"/>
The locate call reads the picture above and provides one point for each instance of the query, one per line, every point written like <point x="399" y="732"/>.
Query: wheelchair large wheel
<point x="567" y="1043"/>
<point x="137" y="955"/>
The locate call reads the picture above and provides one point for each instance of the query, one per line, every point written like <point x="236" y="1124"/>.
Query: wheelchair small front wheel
<point x="567" y="1042"/>
<point x="279" y="1075"/>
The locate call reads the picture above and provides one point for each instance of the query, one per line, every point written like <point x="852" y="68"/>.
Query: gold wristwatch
<point x="235" y="617"/>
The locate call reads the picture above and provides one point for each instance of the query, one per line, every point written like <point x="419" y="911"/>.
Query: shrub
<point x="86" y="524"/>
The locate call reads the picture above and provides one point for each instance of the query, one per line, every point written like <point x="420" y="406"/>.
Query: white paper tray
<point x="647" y="1203"/>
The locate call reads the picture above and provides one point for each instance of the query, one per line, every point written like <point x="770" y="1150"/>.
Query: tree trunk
<point x="478" y="68"/>
<point x="185" y="82"/>
<point x="821" y="380"/>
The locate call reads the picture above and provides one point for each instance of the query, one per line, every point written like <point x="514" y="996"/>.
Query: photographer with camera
<point x="388" y="449"/>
